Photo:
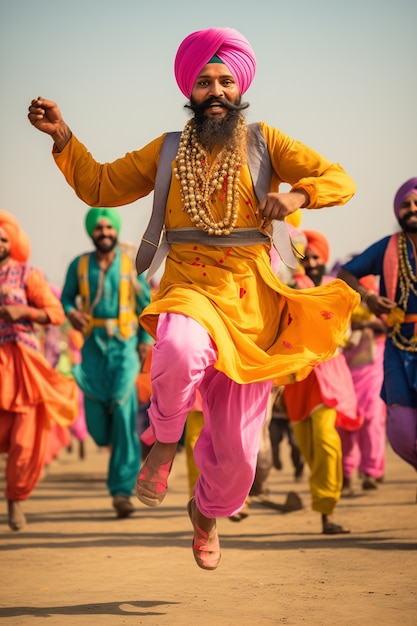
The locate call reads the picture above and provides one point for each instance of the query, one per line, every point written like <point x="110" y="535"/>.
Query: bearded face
<point x="4" y="246"/>
<point x="407" y="216"/>
<point x="105" y="243"/>
<point x="104" y="236"/>
<point x="217" y="130"/>
<point x="314" y="267"/>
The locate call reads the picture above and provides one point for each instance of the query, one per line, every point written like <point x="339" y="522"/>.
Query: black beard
<point x="407" y="228"/>
<point x="105" y="247"/>
<point x="216" y="131"/>
<point x="316" y="276"/>
<point x="4" y="256"/>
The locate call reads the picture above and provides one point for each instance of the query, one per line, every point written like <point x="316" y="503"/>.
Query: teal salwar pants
<point x="114" y="425"/>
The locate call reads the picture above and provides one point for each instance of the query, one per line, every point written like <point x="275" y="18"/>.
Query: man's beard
<point x="4" y="255"/>
<point x="105" y="247"/>
<point x="317" y="274"/>
<point x="406" y="227"/>
<point x="217" y="131"/>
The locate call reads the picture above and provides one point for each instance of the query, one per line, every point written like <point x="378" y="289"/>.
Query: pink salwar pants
<point x="364" y="449"/>
<point x="183" y="360"/>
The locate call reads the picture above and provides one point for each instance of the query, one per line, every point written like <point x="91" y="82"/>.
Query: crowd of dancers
<point x="248" y="327"/>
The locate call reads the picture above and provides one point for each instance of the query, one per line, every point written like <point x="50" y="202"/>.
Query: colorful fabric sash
<point x="391" y="271"/>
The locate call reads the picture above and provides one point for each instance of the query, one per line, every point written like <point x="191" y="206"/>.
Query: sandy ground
<point x="76" y="564"/>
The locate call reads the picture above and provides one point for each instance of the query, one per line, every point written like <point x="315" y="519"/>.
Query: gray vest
<point x="260" y="168"/>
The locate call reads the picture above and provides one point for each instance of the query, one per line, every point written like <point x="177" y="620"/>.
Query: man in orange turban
<point x="11" y="230"/>
<point x="316" y="256"/>
<point x="322" y="401"/>
<point x="33" y="396"/>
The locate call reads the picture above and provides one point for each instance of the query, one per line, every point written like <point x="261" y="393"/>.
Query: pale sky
<point x="338" y="76"/>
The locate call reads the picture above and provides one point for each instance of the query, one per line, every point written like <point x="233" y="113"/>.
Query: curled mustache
<point x="408" y="214"/>
<point x="199" y="108"/>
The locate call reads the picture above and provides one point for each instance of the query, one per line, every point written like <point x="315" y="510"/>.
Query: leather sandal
<point x="206" y="546"/>
<point x="152" y="483"/>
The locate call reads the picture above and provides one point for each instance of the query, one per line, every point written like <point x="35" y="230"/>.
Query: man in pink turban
<point x="393" y="259"/>
<point x="218" y="317"/>
<point x="226" y="46"/>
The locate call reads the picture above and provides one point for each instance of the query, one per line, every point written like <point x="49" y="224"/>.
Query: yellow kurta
<point x="263" y="329"/>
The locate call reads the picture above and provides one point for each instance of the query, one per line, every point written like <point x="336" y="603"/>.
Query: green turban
<point x="94" y="215"/>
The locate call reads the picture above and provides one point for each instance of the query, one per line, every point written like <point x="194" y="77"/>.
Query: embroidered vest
<point x="13" y="278"/>
<point x="260" y="168"/>
<point x="127" y="321"/>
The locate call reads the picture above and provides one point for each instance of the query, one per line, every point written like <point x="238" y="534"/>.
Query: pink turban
<point x="226" y="43"/>
<point x="406" y="188"/>
<point x="11" y="226"/>
<point x="318" y="243"/>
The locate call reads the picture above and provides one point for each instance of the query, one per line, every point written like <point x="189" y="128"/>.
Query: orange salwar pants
<point x="23" y="437"/>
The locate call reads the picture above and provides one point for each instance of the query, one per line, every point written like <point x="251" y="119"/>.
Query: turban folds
<point x="318" y="243"/>
<point x="11" y="227"/>
<point x="232" y="48"/>
<point x="21" y="249"/>
<point x="406" y="188"/>
<point x="94" y="215"/>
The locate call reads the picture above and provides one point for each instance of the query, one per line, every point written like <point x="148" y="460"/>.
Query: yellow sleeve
<point x="326" y="183"/>
<point x="109" y="184"/>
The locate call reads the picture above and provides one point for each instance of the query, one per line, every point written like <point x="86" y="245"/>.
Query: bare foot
<point x="17" y="519"/>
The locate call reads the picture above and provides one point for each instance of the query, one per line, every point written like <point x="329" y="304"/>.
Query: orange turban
<point x="21" y="249"/>
<point x="318" y="243"/>
<point x="11" y="226"/>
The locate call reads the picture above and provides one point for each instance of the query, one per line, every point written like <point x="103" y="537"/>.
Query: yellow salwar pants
<point x="193" y="427"/>
<point x="320" y="445"/>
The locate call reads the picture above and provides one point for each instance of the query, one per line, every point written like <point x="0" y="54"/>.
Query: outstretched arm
<point x="46" y="117"/>
<point x="379" y="305"/>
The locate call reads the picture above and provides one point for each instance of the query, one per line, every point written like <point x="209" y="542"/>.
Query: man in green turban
<point x="94" y="215"/>
<point x="102" y="298"/>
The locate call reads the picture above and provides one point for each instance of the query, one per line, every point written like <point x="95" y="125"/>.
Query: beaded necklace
<point x="200" y="182"/>
<point x="407" y="284"/>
